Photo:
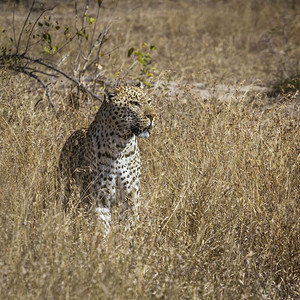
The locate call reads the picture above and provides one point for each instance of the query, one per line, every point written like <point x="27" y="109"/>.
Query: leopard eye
<point x="135" y="103"/>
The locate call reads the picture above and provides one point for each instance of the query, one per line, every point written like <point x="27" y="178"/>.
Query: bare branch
<point x="48" y="66"/>
<point x="45" y="86"/>
<point x="51" y="67"/>
<point x="41" y="72"/>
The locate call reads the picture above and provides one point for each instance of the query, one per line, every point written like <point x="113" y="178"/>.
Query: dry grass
<point x="220" y="184"/>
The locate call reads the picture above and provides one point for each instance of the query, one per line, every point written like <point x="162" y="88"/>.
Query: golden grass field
<point x="220" y="190"/>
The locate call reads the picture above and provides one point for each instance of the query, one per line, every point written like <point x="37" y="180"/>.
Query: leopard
<point x="103" y="161"/>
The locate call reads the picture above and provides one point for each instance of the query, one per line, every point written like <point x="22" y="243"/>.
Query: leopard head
<point x="131" y="110"/>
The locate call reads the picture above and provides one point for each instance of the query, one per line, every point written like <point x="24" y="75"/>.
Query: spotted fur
<point x="103" y="161"/>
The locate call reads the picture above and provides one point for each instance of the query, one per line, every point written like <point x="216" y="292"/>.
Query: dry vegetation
<point x="220" y="184"/>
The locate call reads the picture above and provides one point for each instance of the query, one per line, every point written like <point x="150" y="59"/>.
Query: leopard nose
<point x="150" y="117"/>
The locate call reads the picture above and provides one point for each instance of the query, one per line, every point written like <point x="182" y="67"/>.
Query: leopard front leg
<point x="105" y="194"/>
<point x="104" y="216"/>
<point x="129" y="202"/>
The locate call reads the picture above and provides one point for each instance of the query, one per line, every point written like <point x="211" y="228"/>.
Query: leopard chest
<point x="117" y="165"/>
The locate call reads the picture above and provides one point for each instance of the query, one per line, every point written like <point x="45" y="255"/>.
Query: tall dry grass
<point x="220" y="188"/>
<point x="220" y="213"/>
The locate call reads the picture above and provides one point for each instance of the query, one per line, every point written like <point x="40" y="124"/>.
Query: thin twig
<point x="102" y="36"/>
<point x="76" y="64"/>
<point x="68" y="42"/>
<point x="51" y="67"/>
<point x="45" y="86"/>
<point x="40" y="72"/>
<point x="76" y="26"/>
<point x="33" y="44"/>
<point x="94" y="29"/>
<point x="14" y="31"/>
<point x="83" y="22"/>
<point x="76" y="14"/>
<point x="97" y="44"/>
<point x="285" y="47"/>
<point x="37" y="19"/>
<point x="24" y="24"/>
<point x="130" y="68"/>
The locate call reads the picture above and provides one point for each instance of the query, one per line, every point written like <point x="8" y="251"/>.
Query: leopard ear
<point x="110" y="93"/>
<point x="140" y="84"/>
